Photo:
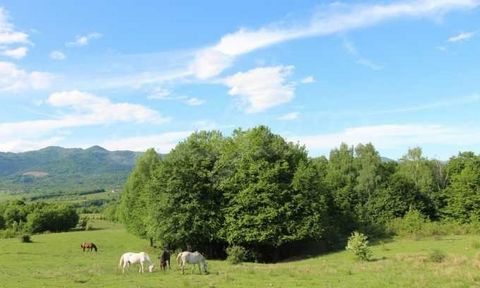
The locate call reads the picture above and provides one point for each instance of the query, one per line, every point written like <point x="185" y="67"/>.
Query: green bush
<point x="436" y="256"/>
<point x="236" y="254"/>
<point x="358" y="244"/>
<point x="25" y="238"/>
<point x="89" y="226"/>
<point x="412" y="224"/>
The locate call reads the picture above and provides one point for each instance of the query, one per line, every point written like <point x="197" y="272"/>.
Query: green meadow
<point x="56" y="260"/>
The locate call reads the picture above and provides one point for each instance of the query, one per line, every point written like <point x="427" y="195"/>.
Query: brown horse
<point x="88" y="245"/>
<point x="164" y="259"/>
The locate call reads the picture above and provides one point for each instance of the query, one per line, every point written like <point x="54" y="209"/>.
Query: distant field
<point x="56" y="260"/>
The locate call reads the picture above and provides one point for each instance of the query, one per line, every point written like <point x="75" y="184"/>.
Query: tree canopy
<point x="258" y="191"/>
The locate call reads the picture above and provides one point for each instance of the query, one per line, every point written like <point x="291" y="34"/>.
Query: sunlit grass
<point x="56" y="260"/>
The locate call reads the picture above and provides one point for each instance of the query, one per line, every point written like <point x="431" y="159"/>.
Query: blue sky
<point x="139" y="74"/>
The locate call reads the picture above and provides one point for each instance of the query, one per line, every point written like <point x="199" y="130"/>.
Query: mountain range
<point x="54" y="169"/>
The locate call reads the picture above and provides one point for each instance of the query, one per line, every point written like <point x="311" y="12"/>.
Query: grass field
<point x="56" y="260"/>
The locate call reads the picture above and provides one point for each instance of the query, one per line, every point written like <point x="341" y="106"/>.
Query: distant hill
<point x="54" y="169"/>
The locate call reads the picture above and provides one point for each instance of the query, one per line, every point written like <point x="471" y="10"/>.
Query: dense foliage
<point x="257" y="191"/>
<point x="17" y="217"/>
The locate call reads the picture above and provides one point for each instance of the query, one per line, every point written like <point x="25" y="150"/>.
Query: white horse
<point x="192" y="258"/>
<point x="131" y="258"/>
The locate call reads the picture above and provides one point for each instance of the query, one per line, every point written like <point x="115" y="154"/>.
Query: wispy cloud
<point x="57" y="55"/>
<point x="351" y="49"/>
<point x="159" y="94"/>
<point x="261" y="88"/>
<point x="337" y="18"/>
<point x="10" y="36"/>
<point x="442" y="103"/>
<point x="464" y="36"/>
<point x="165" y="94"/>
<point x="8" y="33"/>
<point x="208" y="62"/>
<point x="193" y="101"/>
<point x="162" y="143"/>
<point x="393" y="136"/>
<point x="308" y="80"/>
<point x="14" y="79"/>
<point x="289" y="116"/>
<point x="83" y="40"/>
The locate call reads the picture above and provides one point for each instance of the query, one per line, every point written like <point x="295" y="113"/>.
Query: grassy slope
<point x="56" y="260"/>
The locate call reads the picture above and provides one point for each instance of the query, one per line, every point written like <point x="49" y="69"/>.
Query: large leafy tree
<point x="367" y="164"/>
<point x="272" y="192"/>
<point x="187" y="204"/>
<point x="134" y="203"/>
<point x="341" y="175"/>
<point x="463" y="193"/>
<point x="418" y="169"/>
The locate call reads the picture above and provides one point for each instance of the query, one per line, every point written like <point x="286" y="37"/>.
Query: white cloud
<point x="393" y="136"/>
<point x="20" y="145"/>
<point x="92" y="109"/>
<point x="57" y="55"/>
<point x="8" y="33"/>
<point x="78" y="109"/>
<point x="261" y="88"/>
<point x="14" y="79"/>
<point x="9" y="36"/>
<point x="162" y="143"/>
<point x="83" y="40"/>
<point x="212" y="60"/>
<point x="307" y="80"/>
<point x="289" y="116"/>
<point x="16" y="53"/>
<point x="464" y="36"/>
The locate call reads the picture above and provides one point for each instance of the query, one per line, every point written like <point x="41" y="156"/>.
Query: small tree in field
<point x="358" y="244"/>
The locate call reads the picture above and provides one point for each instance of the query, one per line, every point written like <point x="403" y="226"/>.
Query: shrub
<point x="236" y="254"/>
<point x="82" y="223"/>
<point x="436" y="256"/>
<point x="89" y="226"/>
<point x="358" y="244"/>
<point x="412" y="224"/>
<point x="25" y="238"/>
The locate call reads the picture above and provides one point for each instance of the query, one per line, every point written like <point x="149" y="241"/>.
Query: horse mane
<point x="94" y="247"/>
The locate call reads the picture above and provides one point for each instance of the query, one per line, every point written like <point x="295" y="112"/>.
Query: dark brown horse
<point x="164" y="259"/>
<point x="88" y="245"/>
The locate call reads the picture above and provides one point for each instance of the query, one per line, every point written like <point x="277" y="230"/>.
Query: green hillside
<point x="56" y="169"/>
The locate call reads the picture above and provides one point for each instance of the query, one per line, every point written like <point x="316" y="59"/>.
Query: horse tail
<point x="121" y="262"/>
<point x="178" y="258"/>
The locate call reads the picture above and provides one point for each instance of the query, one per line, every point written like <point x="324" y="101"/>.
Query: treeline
<point x="18" y="217"/>
<point x="260" y="192"/>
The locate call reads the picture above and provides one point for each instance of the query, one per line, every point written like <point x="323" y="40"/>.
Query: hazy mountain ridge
<point x="57" y="169"/>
